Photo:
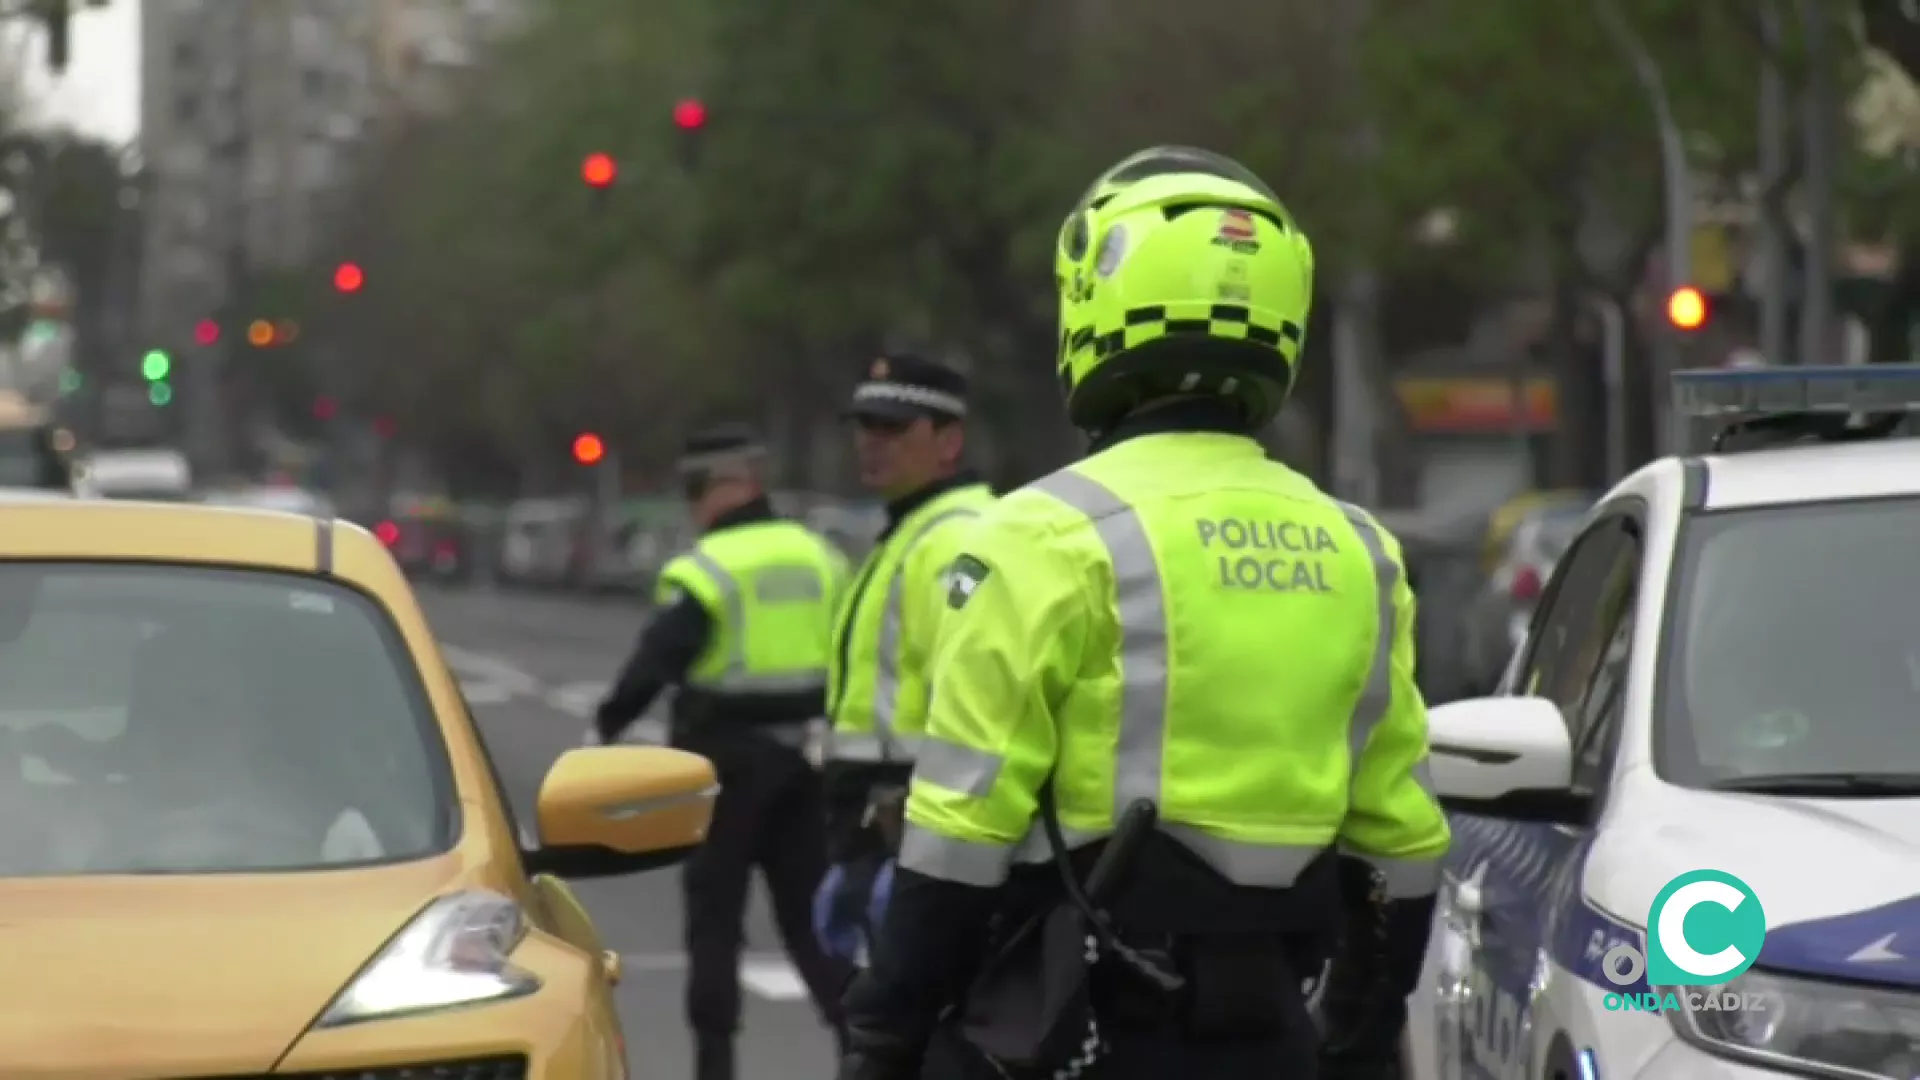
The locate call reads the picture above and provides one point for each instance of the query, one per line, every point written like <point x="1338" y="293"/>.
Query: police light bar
<point x="1732" y="395"/>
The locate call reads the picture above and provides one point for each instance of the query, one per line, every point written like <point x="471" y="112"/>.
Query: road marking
<point x="577" y="700"/>
<point x="487" y="680"/>
<point x="773" y="979"/>
<point x="766" y="975"/>
<point x="582" y="699"/>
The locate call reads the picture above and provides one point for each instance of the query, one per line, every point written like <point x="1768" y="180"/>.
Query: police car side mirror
<point x="1504" y="757"/>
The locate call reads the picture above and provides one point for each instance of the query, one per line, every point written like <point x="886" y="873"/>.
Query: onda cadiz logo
<point x="1705" y="929"/>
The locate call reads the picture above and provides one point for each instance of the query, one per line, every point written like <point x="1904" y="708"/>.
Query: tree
<point x="1525" y="121"/>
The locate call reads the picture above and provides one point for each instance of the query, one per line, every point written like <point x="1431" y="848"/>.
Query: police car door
<point x="1513" y="881"/>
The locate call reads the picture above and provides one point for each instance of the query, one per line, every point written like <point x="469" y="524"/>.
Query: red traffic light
<point x="1687" y="308"/>
<point x="599" y="170"/>
<point x="388" y="532"/>
<point x="690" y="114"/>
<point x="325" y="408"/>
<point x="206" y="332"/>
<point x="348" y="277"/>
<point x="588" y="449"/>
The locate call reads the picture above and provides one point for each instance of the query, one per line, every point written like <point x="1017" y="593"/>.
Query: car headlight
<point x="455" y="952"/>
<point x="1817" y="1028"/>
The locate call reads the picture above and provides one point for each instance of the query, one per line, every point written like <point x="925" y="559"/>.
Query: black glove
<point x="871" y="1055"/>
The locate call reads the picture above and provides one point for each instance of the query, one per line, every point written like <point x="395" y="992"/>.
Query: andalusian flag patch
<point x="964" y="579"/>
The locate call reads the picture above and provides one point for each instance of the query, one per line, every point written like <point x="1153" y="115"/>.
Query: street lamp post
<point x="1678" y="185"/>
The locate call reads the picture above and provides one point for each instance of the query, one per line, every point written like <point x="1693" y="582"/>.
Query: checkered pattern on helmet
<point x="1233" y="322"/>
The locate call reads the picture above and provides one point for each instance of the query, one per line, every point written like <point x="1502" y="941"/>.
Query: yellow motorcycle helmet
<point x="1180" y="274"/>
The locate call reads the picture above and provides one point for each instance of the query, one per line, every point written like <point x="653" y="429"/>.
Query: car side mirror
<point x="1504" y="757"/>
<point x="616" y="810"/>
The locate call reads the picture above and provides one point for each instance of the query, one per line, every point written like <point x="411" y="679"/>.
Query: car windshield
<point x="24" y="459"/>
<point x="1794" y="647"/>
<point x="163" y="719"/>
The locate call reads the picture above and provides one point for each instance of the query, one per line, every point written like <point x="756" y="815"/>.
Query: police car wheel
<point x="1561" y="1063"/>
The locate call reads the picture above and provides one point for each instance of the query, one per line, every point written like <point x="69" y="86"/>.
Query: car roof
<point x="1827" y="472"/>
<point x="33" y="526"/>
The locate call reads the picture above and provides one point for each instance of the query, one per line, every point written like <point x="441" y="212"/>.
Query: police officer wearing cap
<point x="742" y="631"/>
<point x="909" y="415"/>
<point x="1180" y="632"/>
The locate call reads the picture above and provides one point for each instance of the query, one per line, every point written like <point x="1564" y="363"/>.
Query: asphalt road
<point x="532" y="667"/>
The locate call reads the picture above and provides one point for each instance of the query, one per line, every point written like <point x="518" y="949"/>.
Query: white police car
<point x="1723" y="675"/>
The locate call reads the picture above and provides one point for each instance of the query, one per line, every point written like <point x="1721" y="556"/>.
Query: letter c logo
<point x="1737" y="929"/>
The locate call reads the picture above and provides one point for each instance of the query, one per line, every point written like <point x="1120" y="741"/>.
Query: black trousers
<point x="1156" y="1056"/>
<point x="771" y="815"/>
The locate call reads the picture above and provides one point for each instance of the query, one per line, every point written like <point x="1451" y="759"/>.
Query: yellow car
<point x="247" y="827"/>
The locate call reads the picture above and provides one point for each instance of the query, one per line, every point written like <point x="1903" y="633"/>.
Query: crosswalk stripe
<point x="768" y="976"/>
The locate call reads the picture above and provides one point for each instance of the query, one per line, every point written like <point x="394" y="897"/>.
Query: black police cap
<point x="903" y="387"/>
<point x="719" y="445"/>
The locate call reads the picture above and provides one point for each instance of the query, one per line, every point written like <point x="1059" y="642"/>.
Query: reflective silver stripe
<point x="970" y="862"/>
<point x="886" y="677"/>
<point x="957" y="768"/>
<point x="1140" y="757"/>
<point x="1404" y="877"/>
<point x="1377" y="696"/>
<point x="735" y="677"/>
<point x="1140" y="606"/>
<point x="778" y="682"/>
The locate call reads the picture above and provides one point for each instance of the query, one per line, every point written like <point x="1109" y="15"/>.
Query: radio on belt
<point x="1837" y="403"/>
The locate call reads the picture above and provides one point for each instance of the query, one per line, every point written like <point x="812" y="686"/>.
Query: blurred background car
<point x="538" y="541"/>
<point x="1495" y="621"/>
<point x="159" y="474"/>
<point x="428" y="538"/>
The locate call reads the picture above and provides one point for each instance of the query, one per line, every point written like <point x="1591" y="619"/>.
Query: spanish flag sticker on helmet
<point x="1238" y="231"/>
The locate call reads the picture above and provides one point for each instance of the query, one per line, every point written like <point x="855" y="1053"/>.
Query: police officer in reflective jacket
<point x="742" y="631"/>
<point x="909" y="415"/>
<point x="1179" y="625"/>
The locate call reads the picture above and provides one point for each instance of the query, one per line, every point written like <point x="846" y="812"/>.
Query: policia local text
<point x="1293" y="572"/>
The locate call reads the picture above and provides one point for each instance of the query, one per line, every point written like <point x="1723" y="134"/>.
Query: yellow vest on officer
<point x="771" y="588"/>
<point x="877" y="692"/>
<point x="1182" y="620"/>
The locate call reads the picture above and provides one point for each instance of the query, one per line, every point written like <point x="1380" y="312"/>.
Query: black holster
<point x="1032" y="1007"/>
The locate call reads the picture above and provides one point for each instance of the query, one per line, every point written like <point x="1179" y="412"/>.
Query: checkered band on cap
<point x="908" y="394"/>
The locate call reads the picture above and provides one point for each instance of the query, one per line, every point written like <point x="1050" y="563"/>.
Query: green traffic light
<point x="70" y="381"/>
<point x="159" y="393"/>
<point x="155" y="366"/>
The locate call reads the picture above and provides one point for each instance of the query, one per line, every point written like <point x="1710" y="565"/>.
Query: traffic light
<point x="348" y="277"/>
<point x="690" y="117"/>
<point x="1687" y="308"/>
<point x="159" y="392"/>
<point x="71" y="381"/>
<point x="325" y="408"/>
<point x="206" y="332"/>
<point x="260" y="333"/>
<point x="599" y="171"/>
<point x="156" y="366"/>
<point x="588" y="449"/>
<point x="383" y="427"/>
